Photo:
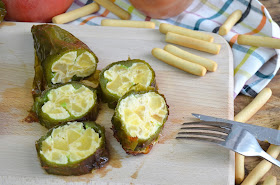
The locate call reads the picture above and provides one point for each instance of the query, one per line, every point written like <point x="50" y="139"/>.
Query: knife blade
<point x="261" y="133"/>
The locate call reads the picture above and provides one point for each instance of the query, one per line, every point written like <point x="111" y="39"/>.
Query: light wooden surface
<point x="268" y="116"/>
<point x="171" y="161"/>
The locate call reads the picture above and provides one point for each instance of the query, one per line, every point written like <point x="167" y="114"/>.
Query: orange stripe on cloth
<point x="104" y="14"/>
<point x="254" y="31"/>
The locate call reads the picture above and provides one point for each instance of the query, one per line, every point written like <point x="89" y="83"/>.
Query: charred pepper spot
<point x="138" y="119"/>
<point x="120" y="77"/>
<point x="74" y="148"/>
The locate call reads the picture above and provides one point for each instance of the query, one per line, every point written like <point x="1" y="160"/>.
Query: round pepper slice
<point x="69" y="102"/>
<point x="74" y="148"/>
<point x="138" y="120"/>
<point x="120" y="77"/>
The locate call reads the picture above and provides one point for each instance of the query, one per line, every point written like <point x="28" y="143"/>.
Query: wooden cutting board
<point x="171" y="161"/>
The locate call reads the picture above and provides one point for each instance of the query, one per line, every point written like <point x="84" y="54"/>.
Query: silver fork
<point x="230" y="136"/>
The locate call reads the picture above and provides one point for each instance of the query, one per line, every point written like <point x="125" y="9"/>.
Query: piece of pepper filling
<point x="69" y="143"/>
<point x="142" y="114"/>
<point x="67" y="101"/>
<point x="70" y="65"/>
<point x="122" y="78"/>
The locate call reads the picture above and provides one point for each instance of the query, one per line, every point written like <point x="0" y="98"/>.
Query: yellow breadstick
<point x="75" y="14"/>
<point x="177" y="62"/>
<point x="258" y="41"/>
<point x="193" y="43"/>
<point x="263" y="167"/>
<point x="127" y="23"/>
<point x="230" y="22"/>
<point x="210" y="65"/>
<point x="115" y="9"/>
<point x="270" y="180"/>
<point x="164" y="28"/>
<point x="244" y="116"/>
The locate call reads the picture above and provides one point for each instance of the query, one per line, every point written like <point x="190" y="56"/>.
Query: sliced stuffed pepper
<point x="74" y="148"/>
<point x="120" y="77"/>
<point x="138" y="120"/>
<point x="68" y="102"/>
<point x="61" y="57"/>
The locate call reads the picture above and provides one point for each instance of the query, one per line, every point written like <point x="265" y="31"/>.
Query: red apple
<point x="35" y="10"/>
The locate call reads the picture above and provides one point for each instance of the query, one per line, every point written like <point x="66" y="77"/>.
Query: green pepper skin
<point x="50" y="43"/>
<point x="112" y="99"/>
<point x="48" y="122"/>
<point x="84" y="166"/>
<point x="3" y="11"/>
<point x="134" y="145"/>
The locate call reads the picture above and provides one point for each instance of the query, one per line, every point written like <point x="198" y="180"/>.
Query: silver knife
<point x="261" y="133"/>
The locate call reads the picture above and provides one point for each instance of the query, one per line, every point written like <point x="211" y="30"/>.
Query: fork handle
<point x="270" y="158"/>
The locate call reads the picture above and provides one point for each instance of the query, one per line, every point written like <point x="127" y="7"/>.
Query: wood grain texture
<point x="171" y="161"/>
<point x="268" y="116"/>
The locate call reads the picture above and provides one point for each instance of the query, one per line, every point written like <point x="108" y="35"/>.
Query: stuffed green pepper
<point x="3" y="11"/>
<point x="120" y="77"/>
<point x="67" y="102"/>
<point x="74" y="148"/>
<point x="138" y="120"/>
<point x="60" y="57"/>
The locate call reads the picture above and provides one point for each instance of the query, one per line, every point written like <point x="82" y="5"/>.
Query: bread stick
<point x="179" y="63"/>
<point x="115" y="9"/>
<point x="230" y="22"/>
<point x="127" y="23"/>
<point x="258" y="41"/>
<point x="244" y="116"/>
<point x="263" y="167"/>
<point x="210" y="65"/>
<point x="193" y="43"/>
<point x="75" y="14"/>
<point x="270" y="180"/>
<point x="164" y="28"/>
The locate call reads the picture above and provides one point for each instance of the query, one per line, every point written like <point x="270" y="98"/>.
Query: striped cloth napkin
<point x="254" y="67"/>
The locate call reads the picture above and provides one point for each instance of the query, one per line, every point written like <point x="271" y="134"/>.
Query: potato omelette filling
<point x="122" y="78"/>
<point x="70" y="65"/>
<point x="69" y="143"/>
<point x="67" y="101"/>
<point x="143" y="114"/>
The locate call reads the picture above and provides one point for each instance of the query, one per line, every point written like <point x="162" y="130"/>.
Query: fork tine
<point x="210" y="123"/>
<point x="209" y="128"/>
<point x="204" y="139"/>
<point x="205" y="134"/>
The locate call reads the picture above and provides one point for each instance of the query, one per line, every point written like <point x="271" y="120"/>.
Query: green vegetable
<point x="74" y="148"/>
<point x="60" y="57"/>
<point x="120" y="77"/>
<point x="138" y="120"/>
<point x="3" y="11"/>
<point x="67" y="102"/>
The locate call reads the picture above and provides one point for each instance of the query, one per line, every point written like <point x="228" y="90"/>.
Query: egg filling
<point x="70" y="65"/>
<point x="121" y="78"/>
<point x="69" y="143"/>
<point x="142" y="114"/>
<point x="67" y="101"/>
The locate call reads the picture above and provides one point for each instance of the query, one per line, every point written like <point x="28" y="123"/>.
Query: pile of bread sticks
<point x="195" y="64"/>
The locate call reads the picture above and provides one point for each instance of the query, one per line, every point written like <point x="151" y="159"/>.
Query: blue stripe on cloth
<point x="245" y="50"/>
<point x="260" y="75"/>
<point x="220" y="12"/>
<point x="245" y="2"/>
<point x="179" y="24"/>
<point x="248" y="90"/>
